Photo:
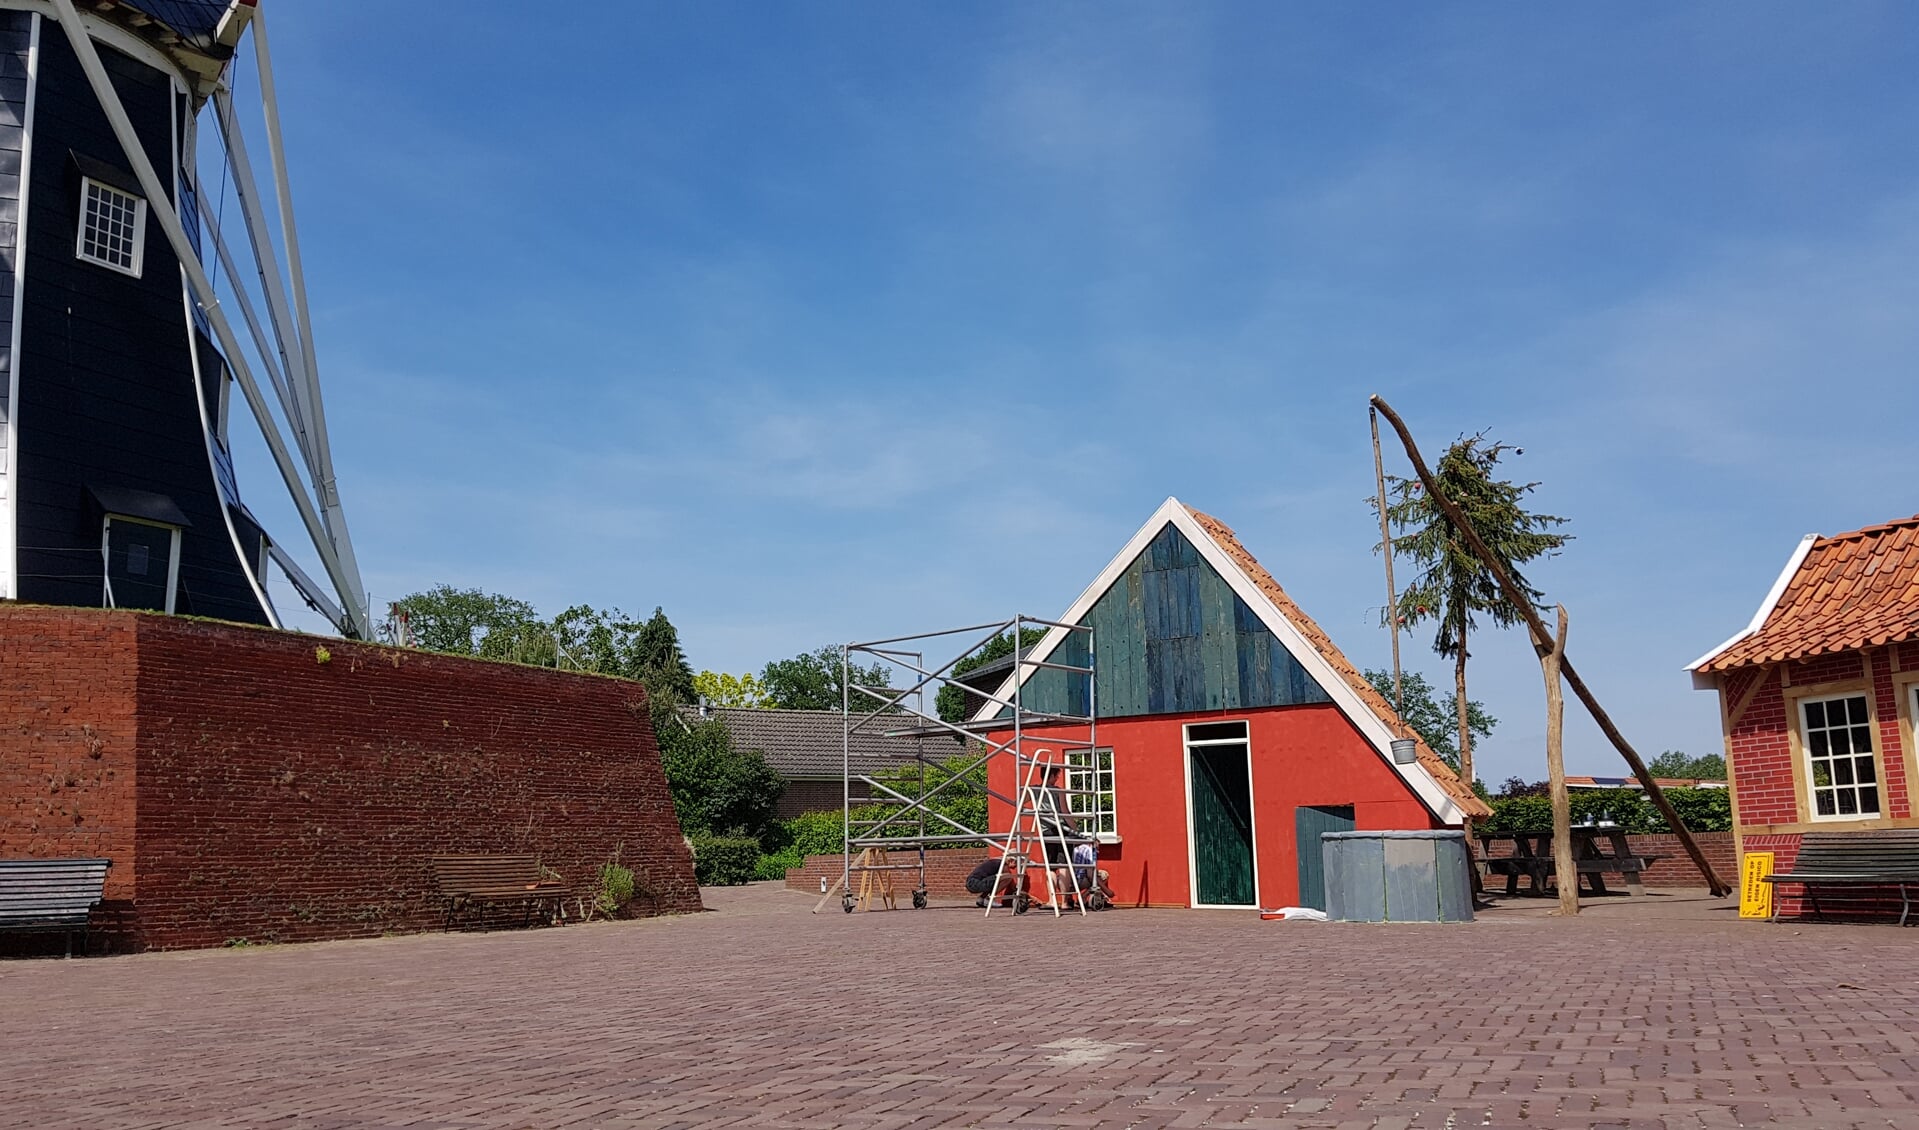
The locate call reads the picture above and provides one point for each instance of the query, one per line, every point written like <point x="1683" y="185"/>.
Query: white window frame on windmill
<point x="94" y="197"/>
<point x="1090" y="793"/>
<point x="106" y="557"/>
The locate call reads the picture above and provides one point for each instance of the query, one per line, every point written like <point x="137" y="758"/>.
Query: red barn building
<point x="1818" y="693"/>
<point x="1231" y="731"/>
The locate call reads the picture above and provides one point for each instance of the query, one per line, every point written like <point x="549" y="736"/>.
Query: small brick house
<point x="1231" y="730"/>
<point x="1819" y="692"/>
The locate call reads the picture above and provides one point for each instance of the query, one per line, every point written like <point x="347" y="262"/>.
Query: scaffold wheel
<point x="846" y="903"/>
<point x="1022" y="904"/>
<point x="919" y="899"/>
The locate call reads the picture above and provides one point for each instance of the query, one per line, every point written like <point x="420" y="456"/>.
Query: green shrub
<point x="724" y="861"/>
<point x="815" y="833"/>
<point x="616" y="891"/>
<point x="1702" y="810"/>
<point x="776" y="865"/>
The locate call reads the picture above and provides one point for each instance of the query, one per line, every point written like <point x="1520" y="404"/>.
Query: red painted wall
<point x="244" y="788"/>
<point x="1301" y="755"/>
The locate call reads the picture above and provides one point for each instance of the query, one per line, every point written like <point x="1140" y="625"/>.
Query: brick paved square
<point x="1655" y="1012"/>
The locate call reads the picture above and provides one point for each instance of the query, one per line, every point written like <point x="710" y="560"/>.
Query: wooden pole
<point x="1510" y="589"/>
<point x="1551" y="655"/>
<point x="1386" y="542"/>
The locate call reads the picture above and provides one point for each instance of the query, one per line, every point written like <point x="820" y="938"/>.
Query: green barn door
<point x="1222" y="826"/>
<point x="1308" y="823"/>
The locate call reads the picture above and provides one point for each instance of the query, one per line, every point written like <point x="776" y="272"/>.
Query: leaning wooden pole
<point x="1518" y="600"/>
<point x="1552" y="655"/>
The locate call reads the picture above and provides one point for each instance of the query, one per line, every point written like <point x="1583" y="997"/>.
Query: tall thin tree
<point x="1454" y="589"/>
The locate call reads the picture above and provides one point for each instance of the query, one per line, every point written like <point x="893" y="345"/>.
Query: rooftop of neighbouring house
<point x="1633" y="783"/>
<point x="1850" y="591"/>
<point x="808" y="743"/>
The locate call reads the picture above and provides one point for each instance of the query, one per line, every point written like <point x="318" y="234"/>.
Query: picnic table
<point x="1598" y="850"/>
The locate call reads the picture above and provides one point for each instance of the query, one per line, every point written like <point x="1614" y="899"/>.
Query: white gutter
<point x="1702" y="681"/>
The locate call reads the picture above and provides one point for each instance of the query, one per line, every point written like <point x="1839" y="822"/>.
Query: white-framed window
<point x="141" y="562"/>
<point x="113" y="227"/>
<point x="1842" y="772"/>
<point x="1089" y="791"/>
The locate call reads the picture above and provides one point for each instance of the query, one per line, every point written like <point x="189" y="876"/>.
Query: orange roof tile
<point x="1853" y="590"/>
<point x="1376" y="702"/>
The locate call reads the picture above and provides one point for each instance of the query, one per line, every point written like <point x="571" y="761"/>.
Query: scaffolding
<point x="1054" y="754"/>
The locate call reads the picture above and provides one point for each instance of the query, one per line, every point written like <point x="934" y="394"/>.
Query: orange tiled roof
<point x="1853" y="590"/>
<point x="1376" y="702"/>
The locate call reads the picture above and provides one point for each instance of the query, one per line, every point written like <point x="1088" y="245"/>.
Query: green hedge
<point x="1702" y="810"/>
<point x="724" y="861"/>
<point x="776" y="865"/>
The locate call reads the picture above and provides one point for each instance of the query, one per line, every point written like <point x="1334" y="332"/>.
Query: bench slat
<point x="50" y="894"/>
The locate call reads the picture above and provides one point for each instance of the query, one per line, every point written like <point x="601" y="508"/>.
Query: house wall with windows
<point x="1298" y="757"/>
<point x="1798" y="767"/>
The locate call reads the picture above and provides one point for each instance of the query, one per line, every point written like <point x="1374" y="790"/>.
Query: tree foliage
<point x="718" y="789"/>
<point x="721" y="689"/>
<point x="461" y="622"/>
<point x="1421" y="709"/>
<point x="811" y="681"/>
<point x="951" y="701"/>
<point x="1455" y="591"/>
<point x="1677" y="763"/>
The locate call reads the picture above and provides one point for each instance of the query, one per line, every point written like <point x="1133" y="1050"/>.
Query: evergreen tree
<point x="1455" y="591"/>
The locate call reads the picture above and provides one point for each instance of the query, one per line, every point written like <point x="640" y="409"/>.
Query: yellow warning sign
<point x="1755" y="896"/>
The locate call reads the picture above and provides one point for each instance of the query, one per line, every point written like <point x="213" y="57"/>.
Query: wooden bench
<point x="480" y="882"/>
<point x="1852" y="861"/>
<point x="44" y="895"/>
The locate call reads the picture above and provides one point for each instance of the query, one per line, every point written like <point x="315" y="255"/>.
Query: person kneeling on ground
<point x="980" y="882"/>
<point x="1092" y="878"/>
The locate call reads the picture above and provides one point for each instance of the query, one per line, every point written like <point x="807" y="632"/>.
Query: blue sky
<point x="824" y="322"/>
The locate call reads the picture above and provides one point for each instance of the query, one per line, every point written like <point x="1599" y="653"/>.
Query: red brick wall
<point x="278" y="797"/>
<point x="1676" y="868"/>
<point x="946" y="871"/>
<point x="810" y="796"/>
<point x="1762" y="766"/>
<point x="67" y="732"/>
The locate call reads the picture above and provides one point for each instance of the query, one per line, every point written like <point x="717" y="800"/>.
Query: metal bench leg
<point x="1814" y="899"/>
<point x="1905" y="904"/>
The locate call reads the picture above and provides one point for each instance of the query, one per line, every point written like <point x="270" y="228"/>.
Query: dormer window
<point x="113" y="227"/>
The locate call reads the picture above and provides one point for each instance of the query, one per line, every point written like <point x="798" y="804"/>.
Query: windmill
<point x="123" y="367"/>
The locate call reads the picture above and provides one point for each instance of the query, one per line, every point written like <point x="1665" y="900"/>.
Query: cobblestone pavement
<point x="1653" y="1012"/>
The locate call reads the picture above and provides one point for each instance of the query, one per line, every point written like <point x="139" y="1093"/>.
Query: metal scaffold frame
<point x="1041" y="747"/>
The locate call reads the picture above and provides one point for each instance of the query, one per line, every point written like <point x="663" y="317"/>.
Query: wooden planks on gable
<point x="1173" y="637"/>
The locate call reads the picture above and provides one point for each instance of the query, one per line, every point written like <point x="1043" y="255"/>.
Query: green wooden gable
<point x="1173" y="637"/>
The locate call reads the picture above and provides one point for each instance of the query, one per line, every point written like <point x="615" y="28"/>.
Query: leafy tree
<point x="1420" y="709"/>
<point x="951" y="701"/>
<point x="721" y="689"/>
<point x="1677" y="763"/>
<point x="718" y="789"/>
<point x="655" y="659"/>
<point x="1520" y="786"/>
<point x="461" y="621"/>
<point x="811" y="681"/>
<point x="1455" y="591"/>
